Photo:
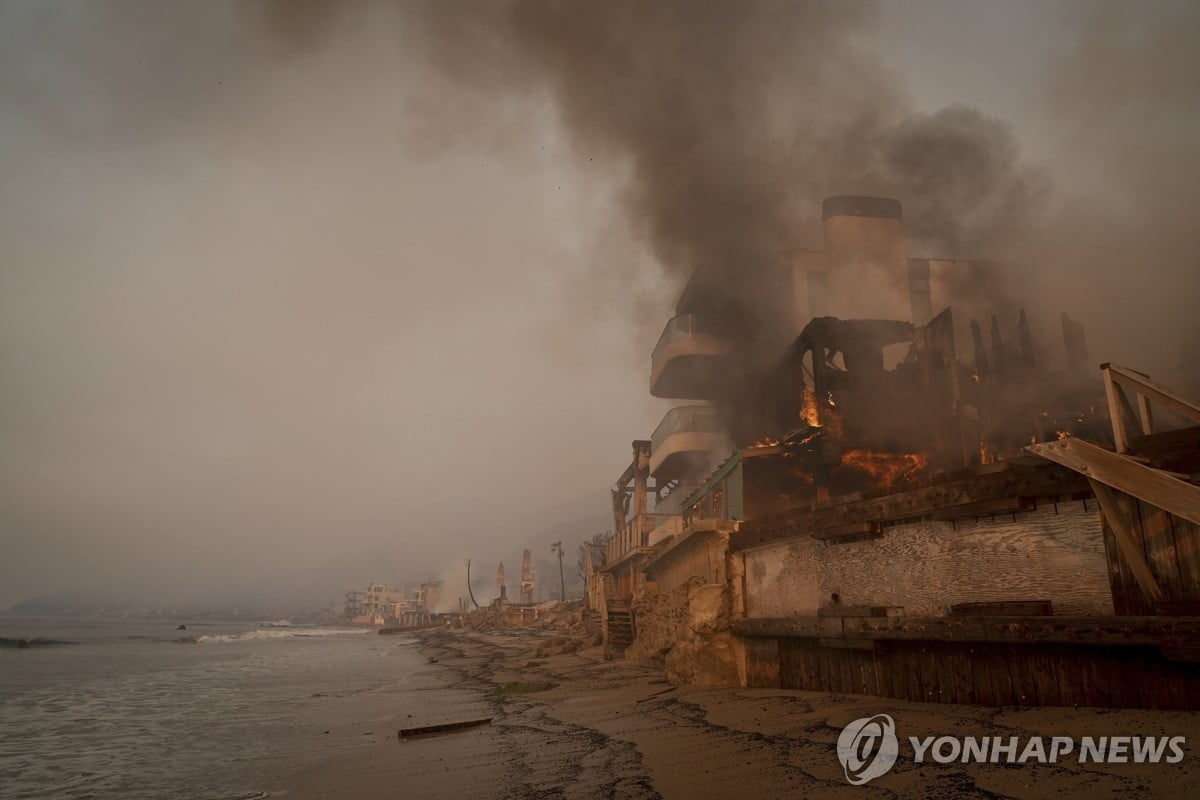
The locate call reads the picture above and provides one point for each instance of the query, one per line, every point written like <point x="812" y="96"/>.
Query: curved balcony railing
<point x="673" y="371"/>
<point x="686" y="419"/>
<point x="684" y="442"/>
<point x="685" y="326"/>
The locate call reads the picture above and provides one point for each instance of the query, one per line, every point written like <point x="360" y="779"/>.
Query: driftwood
<point x="405" y="733"/>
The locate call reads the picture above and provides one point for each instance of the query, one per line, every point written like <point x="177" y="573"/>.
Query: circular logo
<point x="867" y="748"/>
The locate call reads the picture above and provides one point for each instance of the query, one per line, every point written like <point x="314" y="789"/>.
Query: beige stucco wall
<point x="702" y="556"/>
<point x="925" y="567"/>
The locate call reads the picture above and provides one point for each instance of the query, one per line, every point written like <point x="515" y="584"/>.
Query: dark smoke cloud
<point x="733" y="120"/>
<point x="970" y="192"/>
<point x="736" y="119"/>
<point x="298" y="26"/>
<point x="729" y="123"/>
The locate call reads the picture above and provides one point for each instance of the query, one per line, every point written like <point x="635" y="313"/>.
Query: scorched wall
<point x="1053" y="553"/>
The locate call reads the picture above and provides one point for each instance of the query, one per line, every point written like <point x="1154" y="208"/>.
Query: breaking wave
<point x="278" y="633"/>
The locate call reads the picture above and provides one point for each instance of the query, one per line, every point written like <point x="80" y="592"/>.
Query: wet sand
<point x="616" y="729"/>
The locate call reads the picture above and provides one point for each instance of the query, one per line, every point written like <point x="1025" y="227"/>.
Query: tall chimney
<point x="866" y="256"/>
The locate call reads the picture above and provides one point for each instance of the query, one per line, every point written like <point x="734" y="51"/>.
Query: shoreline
<point x="618" y="729"/>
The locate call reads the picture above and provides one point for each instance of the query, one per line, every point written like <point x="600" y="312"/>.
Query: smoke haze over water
<point x="293" y="294"/>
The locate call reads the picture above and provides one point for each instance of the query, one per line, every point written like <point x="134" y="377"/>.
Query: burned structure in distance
<point x="883" y="484"/>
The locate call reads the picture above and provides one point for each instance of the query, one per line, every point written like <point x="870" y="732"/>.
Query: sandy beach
<point x="617" y="729"/>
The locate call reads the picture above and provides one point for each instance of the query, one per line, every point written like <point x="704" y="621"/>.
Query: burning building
<point x="852" y="501"/>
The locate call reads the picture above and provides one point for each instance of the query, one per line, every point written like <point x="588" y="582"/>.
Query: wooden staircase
<point x="616" y="620"/>
<point x="620" y="627"/>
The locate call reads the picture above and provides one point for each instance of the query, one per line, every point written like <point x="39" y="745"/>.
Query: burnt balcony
<point x="687" y="360"/>
<point x="639" y="534"/>
<point x="684" y="442"/>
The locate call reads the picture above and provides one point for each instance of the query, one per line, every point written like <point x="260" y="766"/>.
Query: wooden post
<point x="1144" y="414"/>
<point x="1121" y="525"/>
<point x="1116" y="411"/>
<point x="641" y="476"/>
<point x="1142" y="384"/>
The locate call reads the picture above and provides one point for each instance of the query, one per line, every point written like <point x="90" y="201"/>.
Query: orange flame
<point x="809" y="411"/>
<point x="888" y="469"/>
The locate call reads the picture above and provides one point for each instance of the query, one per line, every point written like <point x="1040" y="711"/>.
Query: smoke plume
<point x="732" y="121"/>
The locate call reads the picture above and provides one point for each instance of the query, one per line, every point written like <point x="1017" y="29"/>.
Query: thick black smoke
<point x="732" y="121"/>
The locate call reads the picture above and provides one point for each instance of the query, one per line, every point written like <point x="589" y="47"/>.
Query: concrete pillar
<point x="866" y="256"/>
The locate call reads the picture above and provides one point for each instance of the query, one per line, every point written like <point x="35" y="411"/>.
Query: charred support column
<point x="866" y="256"/>
<point x="982" y="369"/>
<point x="999" y="362"/>
<point x="1026" y="341"/>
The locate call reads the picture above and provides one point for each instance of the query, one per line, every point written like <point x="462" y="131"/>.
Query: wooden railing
<point x="1117" y="380"/>
<point x="635" y="533"/>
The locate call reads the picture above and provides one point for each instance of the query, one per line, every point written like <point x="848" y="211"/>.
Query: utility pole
<point x="562" y="583"/>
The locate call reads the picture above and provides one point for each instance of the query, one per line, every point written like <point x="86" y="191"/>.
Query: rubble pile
<point x="567" y="620"/>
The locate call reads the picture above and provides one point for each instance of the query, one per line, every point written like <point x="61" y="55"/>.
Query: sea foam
<point x="277" y="633"/>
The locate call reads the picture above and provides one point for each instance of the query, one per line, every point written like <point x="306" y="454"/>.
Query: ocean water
<point x="100" y="708"/>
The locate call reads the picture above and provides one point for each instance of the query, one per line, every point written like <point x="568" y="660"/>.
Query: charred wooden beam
<point x="999" y="364"/>
<point x="860" y="611"/>
<point x="1138" y="480"/>
<point x="1006" y="482"/>
<point x="1004" y="608"/>
<point x="983" y="508"/>
<point x="405" y="733"/>
<point x="982" y="368"/>
<point x="1026" y="341"/>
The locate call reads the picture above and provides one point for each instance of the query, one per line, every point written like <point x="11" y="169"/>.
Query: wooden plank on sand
<point x="444" y="727"/>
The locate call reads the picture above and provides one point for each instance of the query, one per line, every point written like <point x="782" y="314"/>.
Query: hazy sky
<point x="266" y="331"/>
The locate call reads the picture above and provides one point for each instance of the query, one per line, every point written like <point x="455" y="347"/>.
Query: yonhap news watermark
<point x="869" y="747"/>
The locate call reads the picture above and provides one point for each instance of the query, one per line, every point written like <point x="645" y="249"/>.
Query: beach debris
<point x="523" y="687"/>
<point x="557" y="646"/>
<point x="405" y="733"/>
<point x="656" y="694"/>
